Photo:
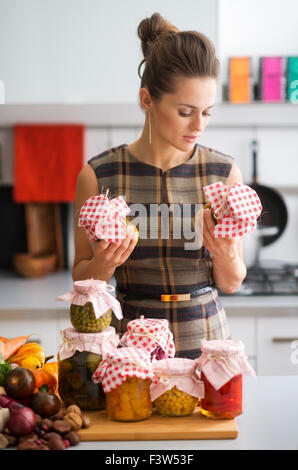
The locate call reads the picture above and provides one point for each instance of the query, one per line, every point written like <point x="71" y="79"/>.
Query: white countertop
<point x="18" y="293"/>
<point x="269" y="422"/>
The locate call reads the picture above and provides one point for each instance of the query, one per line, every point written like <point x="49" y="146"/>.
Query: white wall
<point x="255" y="28"/>
<point x="83" y="50"/>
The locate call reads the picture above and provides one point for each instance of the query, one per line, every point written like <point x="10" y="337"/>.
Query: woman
<point x="166" y="166"/>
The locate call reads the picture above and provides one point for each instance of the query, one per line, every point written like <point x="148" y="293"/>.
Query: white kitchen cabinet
<point x="277" y="351"/>
<point x="42" y="329"/>
<point x="244" y="329"/>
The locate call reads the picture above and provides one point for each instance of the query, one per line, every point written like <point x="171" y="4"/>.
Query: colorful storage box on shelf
<point x="272" y="73"/>
<point x="240" y="82"/>
<point x="292" y="79"/>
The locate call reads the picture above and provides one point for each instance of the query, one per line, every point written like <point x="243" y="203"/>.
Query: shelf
<point x="127" y="115"/>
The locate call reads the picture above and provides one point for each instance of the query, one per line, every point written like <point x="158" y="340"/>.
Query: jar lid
<point x="148" y="333"/>
<point x="227" y="347"/>
<point x="120" y="364"/>
<point x="97" y="343"/>
<point x="98" y="293"/>
<point x="221" y="360"/>
<point x="179" y="372"/>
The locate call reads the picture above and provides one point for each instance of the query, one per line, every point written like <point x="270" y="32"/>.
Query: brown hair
<point x="170" y="54"/>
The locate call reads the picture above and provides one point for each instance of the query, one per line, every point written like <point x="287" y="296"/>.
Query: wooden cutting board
<point x="158" y="428"/>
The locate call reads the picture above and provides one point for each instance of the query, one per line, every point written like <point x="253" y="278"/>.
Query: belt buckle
<point x="174" y="297"/>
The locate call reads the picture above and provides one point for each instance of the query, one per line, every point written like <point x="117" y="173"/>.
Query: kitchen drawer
<point x="275" y="341"/>
<point x="244" y="329"/>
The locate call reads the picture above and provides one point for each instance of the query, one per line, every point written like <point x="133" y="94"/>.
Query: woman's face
<point x="180" y="118"/>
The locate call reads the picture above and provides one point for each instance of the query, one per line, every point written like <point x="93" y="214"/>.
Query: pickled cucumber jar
<point x="91" y="305"/>
<point x="150" y="334"/>
<point x="79" y="356"/>
<point x="222" y="367"/>
<point x="126" y="376"/>
<point x="177" y="388"/>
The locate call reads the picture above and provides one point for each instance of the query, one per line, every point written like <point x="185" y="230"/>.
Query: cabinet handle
<point x="284" y="340"/>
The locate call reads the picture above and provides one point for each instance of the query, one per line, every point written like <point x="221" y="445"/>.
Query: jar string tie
<point x="67" y="344"/>
<point x="218" y="213"/>
<point x="165" y="379"/>
<point x="217" y="357"/>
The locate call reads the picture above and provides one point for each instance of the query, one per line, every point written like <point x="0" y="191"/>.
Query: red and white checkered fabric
<point x="148" y="333"/>
<point x="120" y="364"/>
<point x="102" y="218"/>
<point x="236" y="208"/>
<point x="176" y="372"/>
<point x="221" y="360"/>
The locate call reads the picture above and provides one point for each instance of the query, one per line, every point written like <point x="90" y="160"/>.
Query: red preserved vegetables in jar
<point x="223" y="365"/>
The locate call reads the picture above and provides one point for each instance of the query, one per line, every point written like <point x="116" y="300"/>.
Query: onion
<point x="22" y="419"/>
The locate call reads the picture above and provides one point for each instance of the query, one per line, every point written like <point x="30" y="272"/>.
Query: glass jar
<point x="83" y="319"/>
<point x="75" y="385"/>
<point x="130" y="401"/>
<point x="226" y="402"/>
<point x="175" y="402"/>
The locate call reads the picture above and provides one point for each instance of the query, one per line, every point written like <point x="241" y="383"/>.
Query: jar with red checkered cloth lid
<point x="78" y="357"/>
<point x="105" y="219"/>
<point x="150" y="334"/>
<point x="126" y="374"/>
<point x="91" y="305"/>
<point x="222" y="366"/>
<point x="235" y="209"/>
<point x="177" y="387"/>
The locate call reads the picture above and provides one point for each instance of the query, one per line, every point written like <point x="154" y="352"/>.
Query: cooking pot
<point x="252" y="243"/>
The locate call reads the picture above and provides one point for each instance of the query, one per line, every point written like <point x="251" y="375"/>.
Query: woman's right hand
<point x="110" y="255"/>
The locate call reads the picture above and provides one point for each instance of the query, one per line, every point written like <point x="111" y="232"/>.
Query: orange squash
<point x="46" y="377"/>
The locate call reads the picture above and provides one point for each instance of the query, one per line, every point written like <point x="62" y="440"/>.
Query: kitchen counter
<point x="21" y="294"/>
<point x="269" y="422"/>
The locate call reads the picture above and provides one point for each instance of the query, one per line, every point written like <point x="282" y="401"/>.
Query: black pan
<point x="274" y="213"/>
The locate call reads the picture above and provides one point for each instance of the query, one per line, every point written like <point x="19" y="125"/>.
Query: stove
<point x="270" y="278"/>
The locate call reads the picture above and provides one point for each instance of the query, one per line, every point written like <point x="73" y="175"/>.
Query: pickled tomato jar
<point x="222" y="367"/>
<point x="79" y="356"/>
<point x="91" y="305"/>
<point x="150" y="334"/>
<point x="126" y="375"/>
<point x="177" y="386"/>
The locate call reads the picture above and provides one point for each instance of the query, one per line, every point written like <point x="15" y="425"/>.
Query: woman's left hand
<point x="220" y="248"/>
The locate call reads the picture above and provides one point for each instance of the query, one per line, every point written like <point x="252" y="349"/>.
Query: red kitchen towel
<point x="48" y="159"/>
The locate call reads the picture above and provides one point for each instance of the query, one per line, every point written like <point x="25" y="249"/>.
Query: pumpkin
<point x="46" y="378"/>
<point x="30" y="355"/>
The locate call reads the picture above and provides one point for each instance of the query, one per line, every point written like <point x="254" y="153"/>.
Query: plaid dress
<point x="160" y="262"/>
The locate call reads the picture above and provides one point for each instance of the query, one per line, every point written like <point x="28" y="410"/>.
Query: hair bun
<point x="152" y="29"/>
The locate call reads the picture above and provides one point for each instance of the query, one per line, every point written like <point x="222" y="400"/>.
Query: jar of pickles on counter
<point x="126" y="375"/>
<point x="79" y="356"/>
<point x="177" y="386"/>
<point x="223" y="364"/>
<point x="150" y="334"/>
<point x="91" y="305"/>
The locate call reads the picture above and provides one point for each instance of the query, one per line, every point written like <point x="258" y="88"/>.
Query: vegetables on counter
<point x="12" y="345"/>
<point x="46" y="377"/>
<point x="22" y="419"/>
<point x="20" y="383"/>
<point x="45" y="404"/>
<point x="29" y="355"/>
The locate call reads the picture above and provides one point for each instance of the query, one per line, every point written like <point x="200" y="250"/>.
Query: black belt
<point x="136" y="295"/>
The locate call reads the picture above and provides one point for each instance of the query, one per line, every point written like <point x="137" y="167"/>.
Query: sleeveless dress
<point x="160" y="262"/>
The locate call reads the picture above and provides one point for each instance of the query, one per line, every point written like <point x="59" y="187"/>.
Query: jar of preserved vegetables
<point x="91" y="305"/>
<point x="126" y="375"/>
<point x="177" y="387"/>
<point x="79" y="356"/>
<point x="150" y="334"/>
<point x="222" y="367"/>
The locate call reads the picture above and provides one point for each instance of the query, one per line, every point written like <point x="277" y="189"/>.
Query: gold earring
<point x="150" y="138"/>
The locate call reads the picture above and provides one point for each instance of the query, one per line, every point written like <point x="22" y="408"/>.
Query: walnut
<point x="74" y="409"/>
<point x="74" y="420"/>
